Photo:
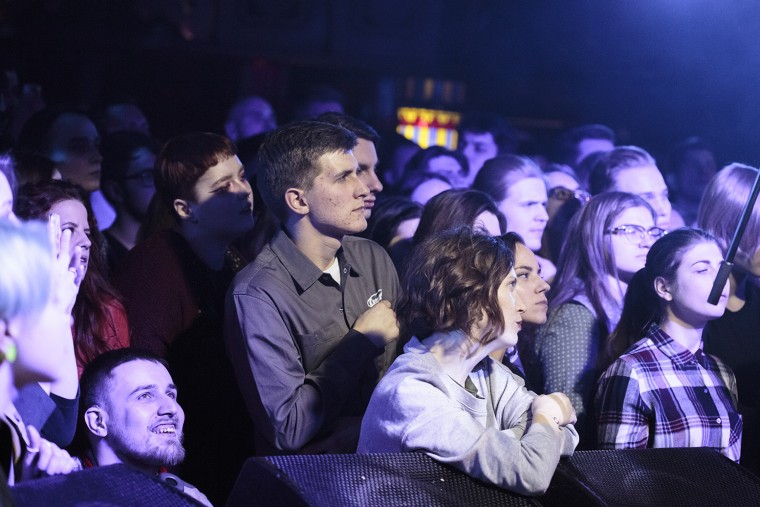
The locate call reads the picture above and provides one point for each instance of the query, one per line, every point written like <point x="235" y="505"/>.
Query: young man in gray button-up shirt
<point x="309" y="324"/>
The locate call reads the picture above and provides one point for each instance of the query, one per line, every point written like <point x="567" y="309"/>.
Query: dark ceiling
<point x="655" y="70"/>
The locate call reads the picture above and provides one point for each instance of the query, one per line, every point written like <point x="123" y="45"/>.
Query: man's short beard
<point x="170" y="454"/>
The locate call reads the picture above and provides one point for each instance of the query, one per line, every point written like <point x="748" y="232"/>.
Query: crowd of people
<point x="186" y="304"/>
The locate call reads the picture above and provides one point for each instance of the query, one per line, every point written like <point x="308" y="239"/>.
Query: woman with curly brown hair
<point x="445" y="396"/>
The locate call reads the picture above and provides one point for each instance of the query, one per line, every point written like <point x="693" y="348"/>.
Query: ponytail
<point x="641" y="308"/>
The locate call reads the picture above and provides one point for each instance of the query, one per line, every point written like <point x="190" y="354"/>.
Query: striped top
<point x="659" y="394"/>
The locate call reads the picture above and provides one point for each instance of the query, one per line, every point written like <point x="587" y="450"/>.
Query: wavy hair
<point x="451" y="281"/>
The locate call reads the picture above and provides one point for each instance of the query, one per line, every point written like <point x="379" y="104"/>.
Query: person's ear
<point x="96" y="420"/>
<point x="295" y="199"/>
<point x="8" y="349"/>
<point x="662" y="288"/>
<point x="184" y="210"/>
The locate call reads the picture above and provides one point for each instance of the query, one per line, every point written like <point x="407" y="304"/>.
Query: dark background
<point x="656" y="71"/>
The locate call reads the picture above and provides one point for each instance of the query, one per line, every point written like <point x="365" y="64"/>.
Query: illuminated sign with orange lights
<point x="429" y="127"/>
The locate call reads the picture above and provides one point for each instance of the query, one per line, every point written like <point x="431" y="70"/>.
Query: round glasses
<point x="146" y="179"/>
<point x="635" y="233"/>
<point x="565" y="194"/>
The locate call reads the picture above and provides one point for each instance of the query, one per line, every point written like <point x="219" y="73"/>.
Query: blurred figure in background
<point x="248" y="117"/>
<point x="70" y="139"/>
<point x="575" y="144"/>
<point x="394" y="153"/>
<point x="318" y="99"/>
<point x="565" y="198"/>
<point x="394" y="219"/>
<point x="430" y="172"/>
<point x="119" y="116"/>
<point x="691" y="166"/>
<point x="459" y="207"/>
<point x="482" y="136"/>
<point x="128" y="182"/>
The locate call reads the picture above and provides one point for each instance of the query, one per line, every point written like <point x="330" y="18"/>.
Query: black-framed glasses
<point x="145" y="178"/>
<point x="635" y="233"/>
<point x="565" y="194"/>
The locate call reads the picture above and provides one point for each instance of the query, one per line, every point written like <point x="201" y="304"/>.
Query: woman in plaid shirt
<point x="664" y="391"/>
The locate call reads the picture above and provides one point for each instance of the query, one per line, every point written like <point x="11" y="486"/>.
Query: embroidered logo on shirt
<point x="375" y="298"/>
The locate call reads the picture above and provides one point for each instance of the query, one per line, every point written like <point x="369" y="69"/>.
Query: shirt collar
<point x="304" y="272"/>
<point x="678" y="354"/>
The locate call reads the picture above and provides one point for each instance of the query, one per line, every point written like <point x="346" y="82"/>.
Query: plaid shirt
<point x="659" y="394"/>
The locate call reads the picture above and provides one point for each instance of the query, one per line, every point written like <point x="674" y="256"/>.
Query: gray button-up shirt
<point x="299" y="364"/>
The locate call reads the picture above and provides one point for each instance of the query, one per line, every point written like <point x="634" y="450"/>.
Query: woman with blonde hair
<point x="35" y="340"/>
<point x="734" y="336"/>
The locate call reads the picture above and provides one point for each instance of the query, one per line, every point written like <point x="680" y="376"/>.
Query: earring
<point x="9" y="351"/>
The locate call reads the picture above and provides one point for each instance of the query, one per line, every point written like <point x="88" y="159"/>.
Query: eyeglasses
<point x="565" y="194"/>
<point x="635" y="233"/>
<point x="146" y="178"/>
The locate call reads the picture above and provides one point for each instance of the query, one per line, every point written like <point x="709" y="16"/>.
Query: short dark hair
<point x="417" y="167"/>
<point x="361" y="129"/>
<point x="504" y="135"/>
<point x="98" y="373"/>
<point x="388" y="214"/>
<point x="32" y="167"/>
<point x="34" y="135"/>
<point x="512" y="239"/>
<point x="455" y="208"/>
<point x="289" y="159"/>
<point x="567" y="145"/>
<point x="451" y="281"/>
<point x="604" y="172"/>
<point x="184" y="159"/>
<point x="561" y="168"/>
